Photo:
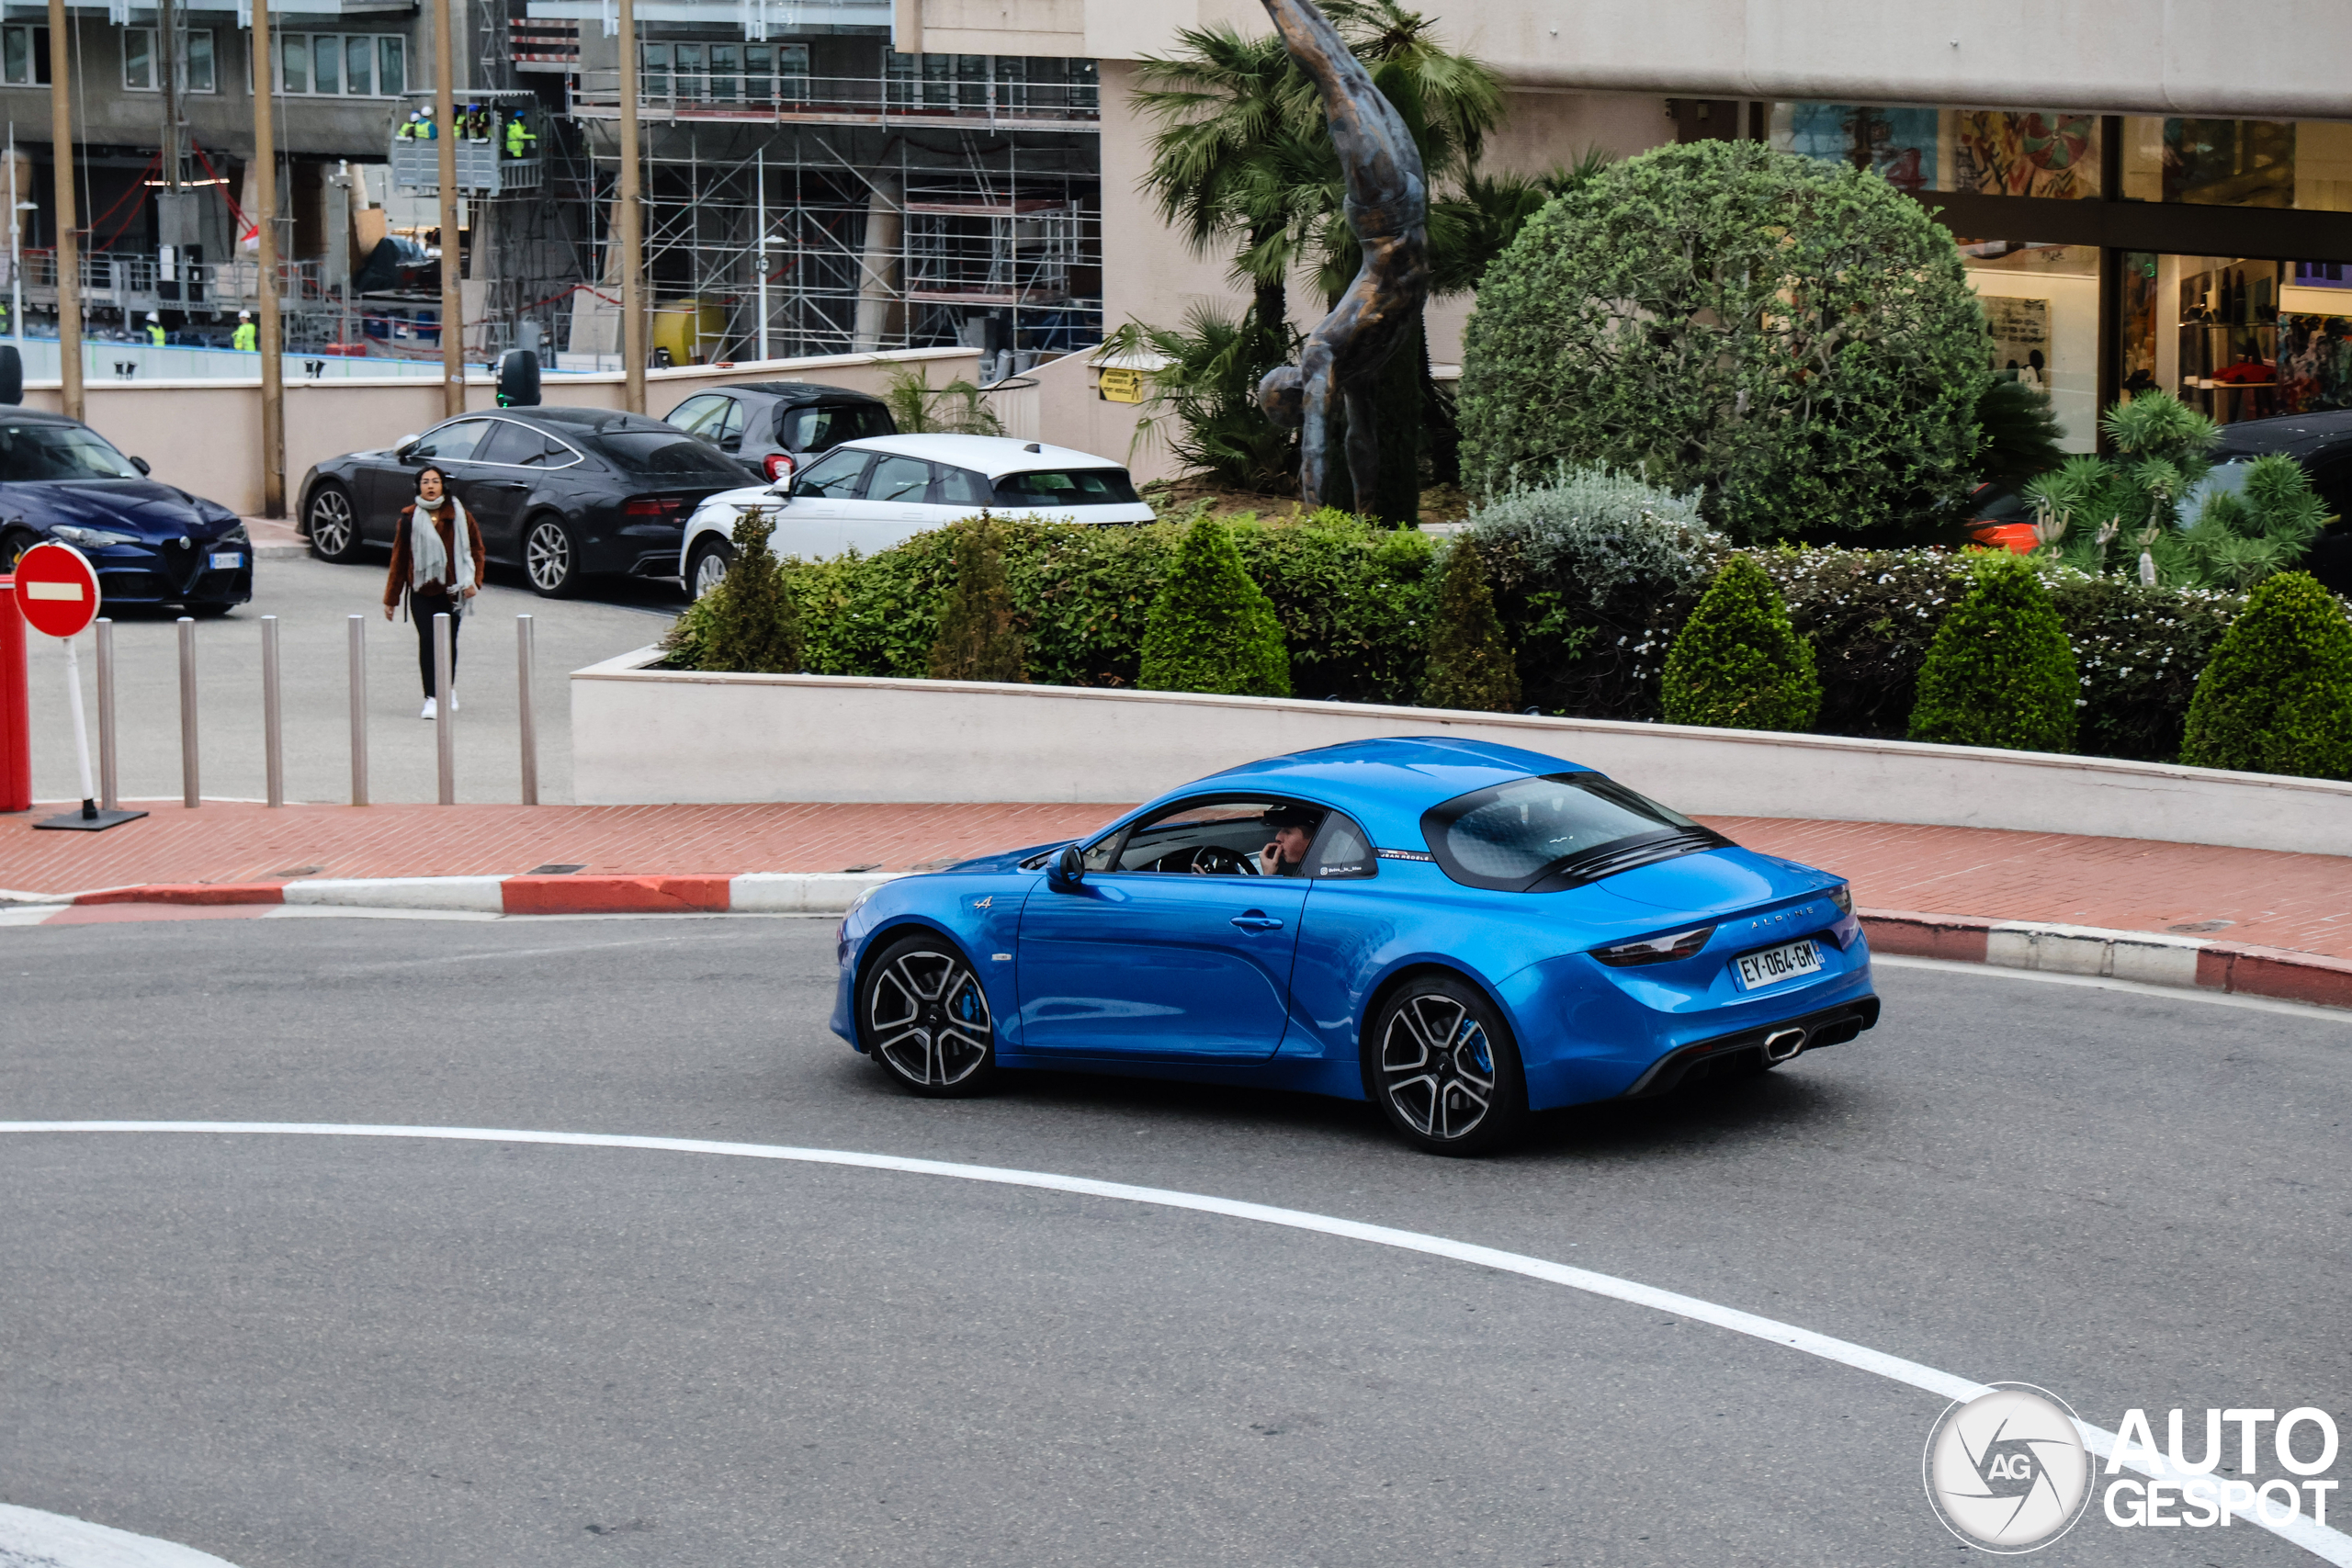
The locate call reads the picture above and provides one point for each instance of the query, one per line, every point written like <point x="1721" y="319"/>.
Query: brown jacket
<point x="444" y="521"/>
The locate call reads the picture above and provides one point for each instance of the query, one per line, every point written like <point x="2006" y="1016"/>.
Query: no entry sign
<point x="56" y="588"/>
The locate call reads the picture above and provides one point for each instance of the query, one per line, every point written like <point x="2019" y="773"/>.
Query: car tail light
<point x="1655" y="950"/>
<point x="1843" y="896"/>
<point x="779" y="466"/>
<point x="653" y="506"/>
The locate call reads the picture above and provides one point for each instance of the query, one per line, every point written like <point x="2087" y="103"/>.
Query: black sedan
<point x="151" y="543"/>
<point x="564" y="493"/>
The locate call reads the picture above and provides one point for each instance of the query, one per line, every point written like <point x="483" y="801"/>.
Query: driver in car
<point x="1294" y="829"/>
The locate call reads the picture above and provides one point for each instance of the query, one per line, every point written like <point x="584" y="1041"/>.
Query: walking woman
<point x="435" y="570"/>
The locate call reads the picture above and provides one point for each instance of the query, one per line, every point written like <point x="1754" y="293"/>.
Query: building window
<point x="142" y="68"/>
<point x="24" y="56"/>
<point x="759" y="74"/>
<point x="356" y="65"/>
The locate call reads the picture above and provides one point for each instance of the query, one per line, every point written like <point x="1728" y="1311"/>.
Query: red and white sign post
<point x="57" y="590"/>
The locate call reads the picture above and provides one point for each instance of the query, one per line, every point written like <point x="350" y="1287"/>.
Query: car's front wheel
<point x="923" y="1014"/>
<point x="332" y="524"/>
<point x="708" y="565"/>
<point x="551" y="560"/>
<point x="13" y="546"/>
<point x="1443" y="1068"/>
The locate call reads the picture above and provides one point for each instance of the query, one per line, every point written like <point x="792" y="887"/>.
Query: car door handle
<point x="1257" y="920"/>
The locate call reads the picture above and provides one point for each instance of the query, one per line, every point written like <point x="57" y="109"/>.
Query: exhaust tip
<point x="1783" y="1044"/>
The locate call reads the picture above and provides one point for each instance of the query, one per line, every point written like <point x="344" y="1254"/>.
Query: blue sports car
<point x="150" y="542"/>
<point x="1462" y="933"/>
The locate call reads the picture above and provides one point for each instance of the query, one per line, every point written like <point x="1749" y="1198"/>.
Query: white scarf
<point x="429" y="559"/>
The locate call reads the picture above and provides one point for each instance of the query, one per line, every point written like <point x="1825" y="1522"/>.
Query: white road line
<point x="2323" y="1542"/>
<point x="30" y="1538"/>
<point x="2108" y="983"/>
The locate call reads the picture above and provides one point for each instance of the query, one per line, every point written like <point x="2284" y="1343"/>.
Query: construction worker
<point x="155" y="329"/>
<point x="246" y="339"/>
<point x="520" y="141"/>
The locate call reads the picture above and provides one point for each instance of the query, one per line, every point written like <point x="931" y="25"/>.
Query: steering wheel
<point x="1215" y="859"/>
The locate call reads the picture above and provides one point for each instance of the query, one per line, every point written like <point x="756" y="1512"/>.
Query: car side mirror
<point x="142" y="464"/>
<point x="1069" y="868"/>
<point x="401" y="448"/>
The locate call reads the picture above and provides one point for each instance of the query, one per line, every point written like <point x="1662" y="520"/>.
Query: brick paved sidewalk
<point x="2293" y="901"/>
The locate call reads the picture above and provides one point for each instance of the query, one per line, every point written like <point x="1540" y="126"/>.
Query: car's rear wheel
<point x="1443" y="1069"/>
<point x="551" y="560"/>
<point x="923" y="1014"/>
<point x="708" y="565"/>
<point x="332" y="524"/>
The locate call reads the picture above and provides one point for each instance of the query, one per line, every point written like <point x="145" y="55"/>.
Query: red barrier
<point x="16" y="706"/>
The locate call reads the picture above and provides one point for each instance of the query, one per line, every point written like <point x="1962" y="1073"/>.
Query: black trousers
<point x="422" y="608"/>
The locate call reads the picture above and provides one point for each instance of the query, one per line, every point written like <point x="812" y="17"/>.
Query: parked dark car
<point x="563" y="493"/>
<point x="777" y="425"/>
<point x="151" y="543"/>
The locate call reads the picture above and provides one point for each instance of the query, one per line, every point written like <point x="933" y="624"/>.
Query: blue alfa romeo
<point x="1462" y="933"/>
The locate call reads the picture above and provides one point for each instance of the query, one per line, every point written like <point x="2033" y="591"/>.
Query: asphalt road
<point x="312" y="602"/>
<point x="304" y="1351"/>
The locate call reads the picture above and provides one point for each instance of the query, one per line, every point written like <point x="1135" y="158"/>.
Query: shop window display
<point x="2036" y="152"/>
<point x="2305" y="165"/>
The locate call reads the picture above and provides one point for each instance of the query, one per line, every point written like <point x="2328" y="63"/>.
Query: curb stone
<point x="2151" y="958"/>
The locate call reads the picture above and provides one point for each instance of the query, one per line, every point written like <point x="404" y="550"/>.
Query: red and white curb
<point x="2148" y="958"/>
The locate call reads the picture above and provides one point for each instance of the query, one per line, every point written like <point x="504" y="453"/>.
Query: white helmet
<point x="153" y="317"/>
<point x="244" y="315"/>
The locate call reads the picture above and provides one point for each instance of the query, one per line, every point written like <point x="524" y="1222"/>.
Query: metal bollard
<point x="359" y="710"/>
<point x="273" y="738"/>
<point x="190" y="795"/>
<point x="445" y="723"/>
<point x="110" y="799"/>
<point x="530" y="725"/>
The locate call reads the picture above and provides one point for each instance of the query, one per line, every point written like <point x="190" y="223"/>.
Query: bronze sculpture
<point x="1388" y="208"/>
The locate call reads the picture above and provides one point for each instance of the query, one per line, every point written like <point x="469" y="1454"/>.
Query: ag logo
<point x="2006" y="1472"/>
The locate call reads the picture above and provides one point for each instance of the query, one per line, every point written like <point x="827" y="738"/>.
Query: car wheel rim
<point x="709" y="572"/>
<point x="550" y="557"/>
<point x="928" y="1019"/>
<point x="1437" y="1066"/>
<point x="331" y="523"/>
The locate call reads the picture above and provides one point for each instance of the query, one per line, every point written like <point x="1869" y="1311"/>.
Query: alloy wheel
<point x="331" y="526"/>
<point x="927" y="1018"/>
<point x="1437" y="1066"/>
<point x="710" y="570"/>
<point x="547" y="557"/>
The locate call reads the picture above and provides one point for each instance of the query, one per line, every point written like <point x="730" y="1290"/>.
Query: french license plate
<point x="1774" y="965"/>
<point x="227" y="560"/>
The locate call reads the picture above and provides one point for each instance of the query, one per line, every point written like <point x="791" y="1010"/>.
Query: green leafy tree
<point x="1737" y="663"/>
<point x="2000" y="670"/>
<point x="1470" y="664"/>
<point x="980" y="636"/>
<point x="752" y="626"/>
<point x="1211" y="628"/>
<point x="1798" y="340"/>
<point x="2018" y="434"/>
<point x="2277" y="696"/>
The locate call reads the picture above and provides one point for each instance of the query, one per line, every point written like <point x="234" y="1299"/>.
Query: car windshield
<point x="2225" y="478"/>
<point x="669" y="454"/>
<point x="1559" y="830"/>
<point x="827" y="425"/>
<point x="30" y="452"/>
<point x="1054" y="489"/>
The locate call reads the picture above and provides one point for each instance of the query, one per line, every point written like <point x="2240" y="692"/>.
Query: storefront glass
<point x="2305" y="165"/>
<point x="2037" y="152"/>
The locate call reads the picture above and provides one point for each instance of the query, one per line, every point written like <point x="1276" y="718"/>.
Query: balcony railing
<point x="726" y="88"/>
<point x="132" y="282"/>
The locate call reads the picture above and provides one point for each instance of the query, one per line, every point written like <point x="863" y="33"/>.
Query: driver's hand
<point x="1197" y="868"/>
<point x="1270" y="861"/>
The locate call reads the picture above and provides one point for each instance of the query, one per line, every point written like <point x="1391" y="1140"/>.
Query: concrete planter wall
<point x="640" y="735"/>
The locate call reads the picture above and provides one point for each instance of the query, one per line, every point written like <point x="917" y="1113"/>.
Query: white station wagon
<point x="868" y="495"/>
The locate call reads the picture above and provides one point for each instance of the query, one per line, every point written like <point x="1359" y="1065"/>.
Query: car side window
<point x="961" y="487"/>
<point x="903" y="480"/>
<point x="730" y="427"/>
<point x="510" y="443"/>
<point x="701" y="415"/>
<point x="1343" y="851"/>
<point x="1215" y="836"/>
<point x="453" y="443"/>
<point x="835" y="474"/>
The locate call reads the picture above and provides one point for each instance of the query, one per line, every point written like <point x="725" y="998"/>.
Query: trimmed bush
<point x="1211" y="628"/>
<point x="2276" y="697"/>
<point x="1798" y="340"/>
<point x="1737" y="663"/>
<point x="980" y="640"/>
<point x="752" y="624"/>
<point x="2000" y="672"/>
<point x="1470" y="664"/>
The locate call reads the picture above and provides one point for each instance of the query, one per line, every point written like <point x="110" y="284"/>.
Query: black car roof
<point x="2294" y="435"/>
<point x="35" y="416"/>
<point x="573" y="420"/>
<point x="802" y="392"/>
